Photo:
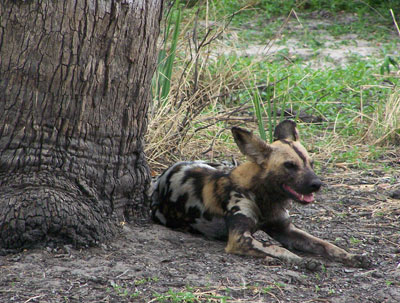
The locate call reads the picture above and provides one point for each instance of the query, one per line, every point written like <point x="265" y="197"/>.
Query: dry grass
<point x="194" y="121"/>
<point x="385" y="124"/>
<point x="384" y="127"/>
<point x="169" y="141"/>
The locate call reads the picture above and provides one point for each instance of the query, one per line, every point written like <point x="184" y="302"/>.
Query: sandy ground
<point x="310" y="40"/>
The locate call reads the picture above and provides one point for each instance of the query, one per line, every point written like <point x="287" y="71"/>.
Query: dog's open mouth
<point x="302" y="198"/>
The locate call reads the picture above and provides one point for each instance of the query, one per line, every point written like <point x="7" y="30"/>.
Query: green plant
<point x="267" y="289"/>
<point x="146" y="280"/>
<point x="166" y="58"/>
<point x="388" y="283"/>
<point x="122" y="291"/>
<point x="355" y="241"/>
<point x="280" y="285"/>
<point x="190" y="295"/>
<point x="385" y="67"/>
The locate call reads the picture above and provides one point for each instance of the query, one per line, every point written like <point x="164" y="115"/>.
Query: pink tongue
<point x="304" y="198"/>
<point x="308" y="198"/>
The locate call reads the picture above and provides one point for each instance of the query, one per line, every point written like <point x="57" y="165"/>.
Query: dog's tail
<point x="155" y="201"/>
<point x="153" y="194"/>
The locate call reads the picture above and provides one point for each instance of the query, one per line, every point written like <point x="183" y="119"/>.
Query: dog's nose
<point x="315" y="184"/>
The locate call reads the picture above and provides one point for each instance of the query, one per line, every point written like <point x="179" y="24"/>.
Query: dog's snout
<point x="315" y="184"/>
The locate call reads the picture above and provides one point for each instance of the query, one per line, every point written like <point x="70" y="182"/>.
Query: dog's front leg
<point x="242" y="242"/>
<point x="295" y="238"/>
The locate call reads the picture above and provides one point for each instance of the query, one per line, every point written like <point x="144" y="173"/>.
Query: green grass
<point x="355" y="241"/>
<point x="389" y="283"/>
<point x="129" y="290"/>
<point x="146" y="280"/>
<point x="346" y="97"/>
<point x="123" y="291"/>
<point x="332" y="93"/>
<point x="273" y="8"/>
<point x="166" y="57"/>
<point x="190" y="295"/>
<point x="261" y="20"/>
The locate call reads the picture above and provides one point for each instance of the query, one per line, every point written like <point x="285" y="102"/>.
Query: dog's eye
<point x="291" y="165"/>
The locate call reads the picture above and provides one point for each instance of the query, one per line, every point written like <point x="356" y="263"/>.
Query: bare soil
<point x="355" y="210"/>
<point x="328" y="51"/>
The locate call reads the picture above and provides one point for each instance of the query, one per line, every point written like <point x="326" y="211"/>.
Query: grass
<point x="166" y="57"/>
<point x="348" y="111"/>
<point x="140" y="290"/>
<point x="221" y="294"/>
<point x="132" y="290"/>
<point x="384" y="127"/>
<point x="190" y="295"/>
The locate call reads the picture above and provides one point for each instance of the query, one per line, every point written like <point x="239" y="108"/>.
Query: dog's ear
<point x="250" y="145"/>
<point x="286" y="130"/>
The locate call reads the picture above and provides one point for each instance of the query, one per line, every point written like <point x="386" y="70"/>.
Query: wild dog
<point x="256" y="195"/>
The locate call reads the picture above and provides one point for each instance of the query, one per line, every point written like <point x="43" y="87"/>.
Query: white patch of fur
<point x="178" y="189"/>
<point x="247" y="207"/>
<point x="160" y="217"/>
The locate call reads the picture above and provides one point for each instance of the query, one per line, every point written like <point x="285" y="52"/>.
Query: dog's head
<point x="283" y="165"/>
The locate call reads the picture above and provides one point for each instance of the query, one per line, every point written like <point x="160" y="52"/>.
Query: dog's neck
<point x="243" y="175"/>
<point x="251" y="178"/>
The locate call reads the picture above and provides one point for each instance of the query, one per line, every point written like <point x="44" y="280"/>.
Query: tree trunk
<point x="75" y="82"/>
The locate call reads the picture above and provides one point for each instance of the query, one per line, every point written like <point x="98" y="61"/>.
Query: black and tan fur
<point x="255" y="195"/>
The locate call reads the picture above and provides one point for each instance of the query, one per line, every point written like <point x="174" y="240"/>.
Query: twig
<point x="213" y="141"/>
<point x="273" y="295"/>
<point x="270" y="43"/>
<point x="391" y="242"/>
<point x="33" y="298"/>
<point x="394" y="20"/>
<point x="318" y="300"/>
<point x="376" y="11"/>
<point x="198" y="46"/>
<point x="225" y="116"/>
<point x="119" y="276"/>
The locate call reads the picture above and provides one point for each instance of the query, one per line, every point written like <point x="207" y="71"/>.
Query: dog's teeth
<point x="302" y="197"/>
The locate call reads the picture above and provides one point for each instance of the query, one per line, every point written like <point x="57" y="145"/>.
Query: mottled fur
<point x="195" y="196"/>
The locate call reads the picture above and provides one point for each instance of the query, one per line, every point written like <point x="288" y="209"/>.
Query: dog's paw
<point x="362" y="261"/>
<point x="270" y="261"/>
<point x="312" y="265"/>
<point x="307" y="264"/>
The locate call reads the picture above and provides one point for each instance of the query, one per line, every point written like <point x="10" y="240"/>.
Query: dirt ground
<point x="356" y="210"/>
<point x="332" y="51"/>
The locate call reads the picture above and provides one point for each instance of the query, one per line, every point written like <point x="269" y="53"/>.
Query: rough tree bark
<point x="74" y="91"/>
